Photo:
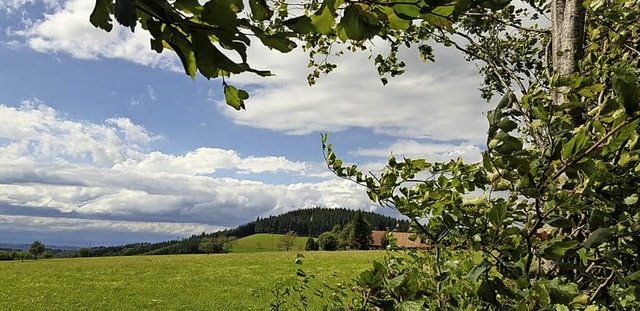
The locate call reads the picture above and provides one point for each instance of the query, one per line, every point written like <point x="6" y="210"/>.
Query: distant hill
<point x="305" y="222"/>
<point x="24" y="247"/>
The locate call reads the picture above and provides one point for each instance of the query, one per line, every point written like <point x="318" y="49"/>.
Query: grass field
<point x="265" y="242"/>
<point x="177" y="282"/>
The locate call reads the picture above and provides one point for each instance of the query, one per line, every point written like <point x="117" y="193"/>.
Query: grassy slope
<point x="265" y="242"/>
<point x="177" y="282"/>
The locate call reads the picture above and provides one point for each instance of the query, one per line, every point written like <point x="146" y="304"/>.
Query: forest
<point x="304" y="222"/>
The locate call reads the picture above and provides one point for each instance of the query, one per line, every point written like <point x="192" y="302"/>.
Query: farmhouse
<point x="401" y="237"/>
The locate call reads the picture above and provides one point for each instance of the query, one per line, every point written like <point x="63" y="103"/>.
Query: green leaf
<point x="395" y="22"/>
<point x="475" y="272"/>
<point x="507" y="144"/>
<point x="558" y="249"/>
<point x="596" y="238"/>
<point x="222" y="13"/>
<point x="632" y="199"/>
<point x="183" y="49"/>
<point x="439" y="22"/>
<point x="496" y="4"/>
<point x="635" y="276"/>
<point x="397" y="281"/>
<point x="486" y="292"/>
<point x="461" y="7"/>
<point x="507" y="125"/>
<point x="101" y="15"/>
<point x="409" y="306"/>
<point x="212" y="57"/>
<point x="280" y="41"/>
<point x="189" y="6"/>
<point x="575" y="145"/>
<point x="260" y="10"/>
<point x="497" y="214"/>
<point x="620" y="137"/>
<point x="407" y="11"/>
<point x="125" y="13"/>
<point x="323" y="20"/>
<point x="560" y="222"/>
<point x="301" y="25"/>
<point x="625" y="84"/>
<point x="582" y="253"/>
<point x="358" y="24"/>
<point x="234" y="97"/>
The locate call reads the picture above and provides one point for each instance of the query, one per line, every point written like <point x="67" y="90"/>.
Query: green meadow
<point x="235" y="281"/>
<point x="265" y="242"/>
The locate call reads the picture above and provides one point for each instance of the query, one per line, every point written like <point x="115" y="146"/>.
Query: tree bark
<point x="567" y="37"/>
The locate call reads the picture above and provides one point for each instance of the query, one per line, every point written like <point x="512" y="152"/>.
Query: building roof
<point x="401" y="237"/>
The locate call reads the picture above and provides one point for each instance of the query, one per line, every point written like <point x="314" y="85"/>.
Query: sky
<point x="104" y="142"/>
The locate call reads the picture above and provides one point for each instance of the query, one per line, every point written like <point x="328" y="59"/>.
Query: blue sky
<point x="103" y="141"/>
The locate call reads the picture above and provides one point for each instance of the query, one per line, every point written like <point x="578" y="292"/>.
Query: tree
<point x="345" y="236"/>
<point x="85" y="252"/>
<point x="222" y="244"/>
<point x="361" y="232"/>
<point x="36" y="248"/>
<point x="328" y="241"/>
<point x="562" y="148"/>
<point x="287" y="241"/>
<point x="311" y="245"/>
<point x="556" y="223"/>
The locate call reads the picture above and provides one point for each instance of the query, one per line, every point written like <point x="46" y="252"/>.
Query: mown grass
<point x="177" y="282"/>
<point x="265" y="242"/>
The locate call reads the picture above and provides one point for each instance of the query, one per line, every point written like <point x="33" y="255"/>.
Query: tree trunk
<point x="567" y="33"/>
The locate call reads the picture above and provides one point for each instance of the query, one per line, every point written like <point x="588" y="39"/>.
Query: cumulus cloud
<point x="40" y="179"/>
<point x="38" y="131"/>
<point x="11" y="6"/>
<point x="438" y="100"/>
<point x="66" y="29"/>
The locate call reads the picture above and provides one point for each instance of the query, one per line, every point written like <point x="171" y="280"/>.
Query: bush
<point x="328" y="241"/>
<point x="311" y="245"/>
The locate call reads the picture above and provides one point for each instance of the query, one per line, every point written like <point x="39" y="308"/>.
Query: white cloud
<point x="435" y="100"/>
<point x="207" y="161"/>
<point x="434" y="152"/>
<point x="66" y="29"/>
<point x="59" y="224"/>
<point x="152" y="93"/>
<point x="438" y="101"/>
<point x="45" y="135"/>
<point x="132" y="133"/>
<point x="11" y="6"/>
<point x="140" y="186"/>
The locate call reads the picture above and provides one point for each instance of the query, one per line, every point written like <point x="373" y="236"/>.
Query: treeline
<point x="303" y="222"/>
<point x="314" y="222"/>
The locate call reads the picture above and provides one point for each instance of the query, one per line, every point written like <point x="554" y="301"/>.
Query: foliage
<point x="550" y="218"/>
<point x="36" y="248"/>
<point x="287" y="241"/>
<point x="328" y="241"/>
<point x="222" y="244"/>
<point x="85" y="252"/>
<point x="177" y="282"/>
<point x="212" y="37"/>
<point x="361" y="232"/>
<point x="311" y="245"/>
<point x="314" y="221"/>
